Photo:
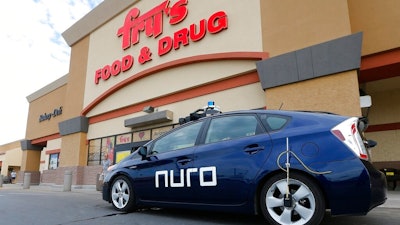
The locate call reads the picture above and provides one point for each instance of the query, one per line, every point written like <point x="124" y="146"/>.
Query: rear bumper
<point x="378" y="185"/>
<point x="355" y="189"/>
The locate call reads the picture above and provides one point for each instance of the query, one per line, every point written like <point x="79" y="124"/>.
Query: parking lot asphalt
<point x="393" y="200"/>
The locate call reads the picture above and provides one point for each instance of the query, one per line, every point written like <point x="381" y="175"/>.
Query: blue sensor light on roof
<point x="211" y="104"/>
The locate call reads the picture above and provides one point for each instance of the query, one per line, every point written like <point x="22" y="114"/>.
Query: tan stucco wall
<point x="74" y="150"/>
<point x="387" y="149"/>
<point x="9" y="146"/>
<point x="385" y="106"/>
<point x="336" y="93"/>
<point x="385" y="110"/>
<point x="13" y="157"/>
<point x="73" y="146"/>
<point x="379" y="22"/>
<point x="45" y="104"/>
<point x="30" y="160"/>
<point x="75" y="91"/>
<point x="291" y="25"/>
<point x="10" y="155"/>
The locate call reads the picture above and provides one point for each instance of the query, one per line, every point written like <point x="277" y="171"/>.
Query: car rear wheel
<point x="307" y="204"/>
<point x="122" y="196"/>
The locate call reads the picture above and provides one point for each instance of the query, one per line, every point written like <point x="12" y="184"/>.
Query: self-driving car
<point x="289" y="166"/>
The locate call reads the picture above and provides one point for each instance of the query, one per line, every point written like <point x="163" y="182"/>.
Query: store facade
<point x="10" y="159"/>
<point x="138" y="66"/>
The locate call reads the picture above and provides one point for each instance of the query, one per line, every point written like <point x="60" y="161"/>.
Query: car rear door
<point x="235" y="148"/>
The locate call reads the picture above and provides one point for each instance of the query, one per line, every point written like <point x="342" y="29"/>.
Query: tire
<point x="308" y="203"/>
<point x="122" y="195"/>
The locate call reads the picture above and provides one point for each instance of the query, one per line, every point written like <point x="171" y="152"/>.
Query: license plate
<point x="389" y="173"/>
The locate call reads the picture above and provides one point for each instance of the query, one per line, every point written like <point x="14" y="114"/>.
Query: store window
<point x="107" y="148"/>
<point x="100" y="147"/>
<point x="53" y="161"/>
<point x="94" y="152"/>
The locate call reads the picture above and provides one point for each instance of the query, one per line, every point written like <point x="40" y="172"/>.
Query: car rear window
<point x="274" y="122"/>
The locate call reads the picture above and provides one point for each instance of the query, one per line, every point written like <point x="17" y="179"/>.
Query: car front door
<point x="162" y="176"/>
<point x="235" y="148"/>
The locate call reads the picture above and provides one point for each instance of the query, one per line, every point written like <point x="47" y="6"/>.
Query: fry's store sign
<point x="151" y="24"/>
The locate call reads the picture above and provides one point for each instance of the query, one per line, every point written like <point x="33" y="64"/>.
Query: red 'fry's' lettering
<point x="150" y="22"/>
<point x="178" y="12"/>
<point x="130" y="30"/>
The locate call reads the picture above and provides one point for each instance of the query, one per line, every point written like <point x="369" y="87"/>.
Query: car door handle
<point x="253" y="149"/>
<point x="184" y="161"/>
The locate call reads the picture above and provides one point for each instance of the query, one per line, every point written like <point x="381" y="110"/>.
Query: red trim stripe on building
<point x="172" y="64"/>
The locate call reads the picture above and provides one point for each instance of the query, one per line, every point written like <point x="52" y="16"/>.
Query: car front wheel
<point x="305" y="205"/>
<point x="122" y="196"/>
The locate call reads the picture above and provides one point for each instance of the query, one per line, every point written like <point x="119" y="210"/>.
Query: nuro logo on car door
<point x="185" y="177"/>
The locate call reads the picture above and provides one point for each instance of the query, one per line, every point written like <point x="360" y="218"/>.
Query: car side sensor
<point x="288" y="199"/>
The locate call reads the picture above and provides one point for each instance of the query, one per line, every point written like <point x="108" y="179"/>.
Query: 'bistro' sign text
<point x="48" y="116"/>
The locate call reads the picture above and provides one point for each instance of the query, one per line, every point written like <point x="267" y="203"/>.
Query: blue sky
<point x="33" y="54"/>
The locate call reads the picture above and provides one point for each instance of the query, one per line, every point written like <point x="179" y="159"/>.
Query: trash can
<point x="67" y="180"/>
<point x="99" y="183"/>
<point x="6" y="180"/>
<point x="27" y="181"/>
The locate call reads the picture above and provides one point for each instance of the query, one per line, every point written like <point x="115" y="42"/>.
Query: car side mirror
<point x="143" y="152"/>
<point x="363" y="124"/>
<point x="370" y="143"/>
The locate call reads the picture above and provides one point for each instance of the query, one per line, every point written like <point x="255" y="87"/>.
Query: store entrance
<point x="123" y="150"/>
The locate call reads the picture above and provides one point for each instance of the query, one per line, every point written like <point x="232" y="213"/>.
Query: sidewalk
<point x="393" y="200"/>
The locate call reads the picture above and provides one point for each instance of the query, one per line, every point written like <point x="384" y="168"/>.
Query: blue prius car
<point x="289" y="166"/>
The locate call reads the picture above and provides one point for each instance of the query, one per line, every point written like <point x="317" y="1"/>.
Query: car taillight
<point x="347" y="133"/>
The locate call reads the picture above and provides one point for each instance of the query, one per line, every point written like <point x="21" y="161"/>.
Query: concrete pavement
<point x="393" y="200"/>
